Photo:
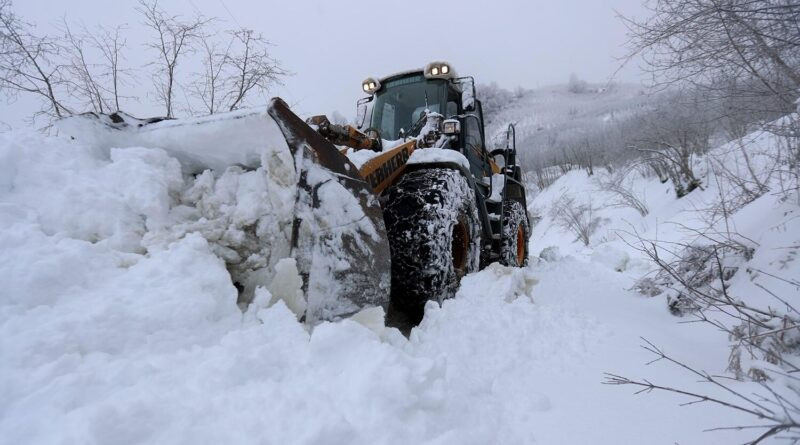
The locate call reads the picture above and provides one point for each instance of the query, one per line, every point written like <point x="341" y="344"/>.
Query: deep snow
<point x="119" y="323"/>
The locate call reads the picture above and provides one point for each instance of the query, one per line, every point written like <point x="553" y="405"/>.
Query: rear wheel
<point x="516" y="231"/>
<point x="434" y="237"/>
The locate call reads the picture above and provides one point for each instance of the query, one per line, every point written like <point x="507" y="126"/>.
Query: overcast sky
<point x="332" y="46"/>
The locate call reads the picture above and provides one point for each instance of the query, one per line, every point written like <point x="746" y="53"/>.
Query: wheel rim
<point x="520" y="245"/>
<point x="460" y="246"/>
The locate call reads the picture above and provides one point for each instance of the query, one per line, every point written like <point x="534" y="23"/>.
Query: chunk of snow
<point x="610" y="257"/>
<point x="287" y="286"/>
<point x="550" y="254"/>
<point x="373" y="318"/>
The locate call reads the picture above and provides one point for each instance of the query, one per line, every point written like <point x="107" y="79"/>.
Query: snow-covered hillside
<point x="546" y="115"/>
<point x="119" y="320"/>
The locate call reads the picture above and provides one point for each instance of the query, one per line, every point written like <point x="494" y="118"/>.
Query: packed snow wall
<point x="227" y="177"/>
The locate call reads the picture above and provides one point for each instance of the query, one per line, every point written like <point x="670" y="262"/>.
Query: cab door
<point x="474" y="145"/>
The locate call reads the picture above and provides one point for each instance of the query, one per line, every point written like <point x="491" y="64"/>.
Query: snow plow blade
<point x="338" y="235"/>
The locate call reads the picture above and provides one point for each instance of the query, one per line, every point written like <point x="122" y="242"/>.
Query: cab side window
<point x="473" y="146"/>
<point x="452" y="110"/>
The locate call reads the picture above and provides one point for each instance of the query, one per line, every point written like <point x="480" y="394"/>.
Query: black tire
<point x="434" y="237"/>
<point x="516" y="232"/>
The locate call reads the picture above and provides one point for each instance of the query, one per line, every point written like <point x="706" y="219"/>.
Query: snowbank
<point x="213" y="142"/>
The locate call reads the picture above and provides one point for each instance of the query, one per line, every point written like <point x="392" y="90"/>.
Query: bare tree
<point x="174" y="38"/>
<point x="30" y="64"/>
<point x="701" y="41"/>
<point x="673" y="134"/>
<point x="82" y="75"/>
<point x="233" y="72"/>
<point x="211" y="84"/>
<point x="110" y="43"/>
<point x="254" y="69"/>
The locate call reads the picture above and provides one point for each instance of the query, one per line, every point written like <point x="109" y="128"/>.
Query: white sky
<point x="332" y="46"/>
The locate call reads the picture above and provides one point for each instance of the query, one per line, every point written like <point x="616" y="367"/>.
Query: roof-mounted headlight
<point x="370" y="86"/>
<point x="439" y="70"/>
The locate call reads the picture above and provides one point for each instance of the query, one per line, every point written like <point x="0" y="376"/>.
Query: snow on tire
<point x="434" y="236"/>
<point x="516" y="231"/>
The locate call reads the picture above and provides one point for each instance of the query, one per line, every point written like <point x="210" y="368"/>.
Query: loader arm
<point x="345" y="135"/>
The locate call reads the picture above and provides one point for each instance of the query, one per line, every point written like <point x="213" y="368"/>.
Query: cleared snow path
<point x="485" y="368"/>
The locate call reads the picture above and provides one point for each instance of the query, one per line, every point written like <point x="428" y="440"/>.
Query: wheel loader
<point x="395" y="210"/>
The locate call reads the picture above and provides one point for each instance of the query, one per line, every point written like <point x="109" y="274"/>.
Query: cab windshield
<point x="400" y="103"/>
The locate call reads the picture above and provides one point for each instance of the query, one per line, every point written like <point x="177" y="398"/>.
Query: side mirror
<point x="467" y="93"/>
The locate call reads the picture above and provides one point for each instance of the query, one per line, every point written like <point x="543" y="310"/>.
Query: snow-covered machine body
<point x="429" y="202"/>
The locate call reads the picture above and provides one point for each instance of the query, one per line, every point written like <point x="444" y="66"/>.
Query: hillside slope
<point x="547" y="115"/>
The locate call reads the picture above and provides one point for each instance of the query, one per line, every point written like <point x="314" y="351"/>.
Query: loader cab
<point x="399" y="101"/>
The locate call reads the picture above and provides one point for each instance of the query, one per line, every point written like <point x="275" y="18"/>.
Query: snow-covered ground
<point x="119" y="321"/>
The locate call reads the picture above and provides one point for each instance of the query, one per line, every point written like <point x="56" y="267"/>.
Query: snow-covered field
<point x="119" y="321"/>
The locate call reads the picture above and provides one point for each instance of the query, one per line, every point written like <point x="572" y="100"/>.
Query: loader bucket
<point x="338" y="235"/>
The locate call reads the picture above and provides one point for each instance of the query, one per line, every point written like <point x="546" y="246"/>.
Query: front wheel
<point x="516" y="232"/>
<point x="434" y="237"/>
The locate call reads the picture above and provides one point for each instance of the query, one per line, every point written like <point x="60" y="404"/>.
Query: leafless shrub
<point x="775" y="412"/>
<point x="648" y="287"/>
<point x="746" y="184"/>
<point x="576" y="218"/>
<point x="689" y="279"/>
<point x="624" y="196"/>
<point x="696" y="283"/>
<point x="765" y="341"/>
<point x="576" y="85"/>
